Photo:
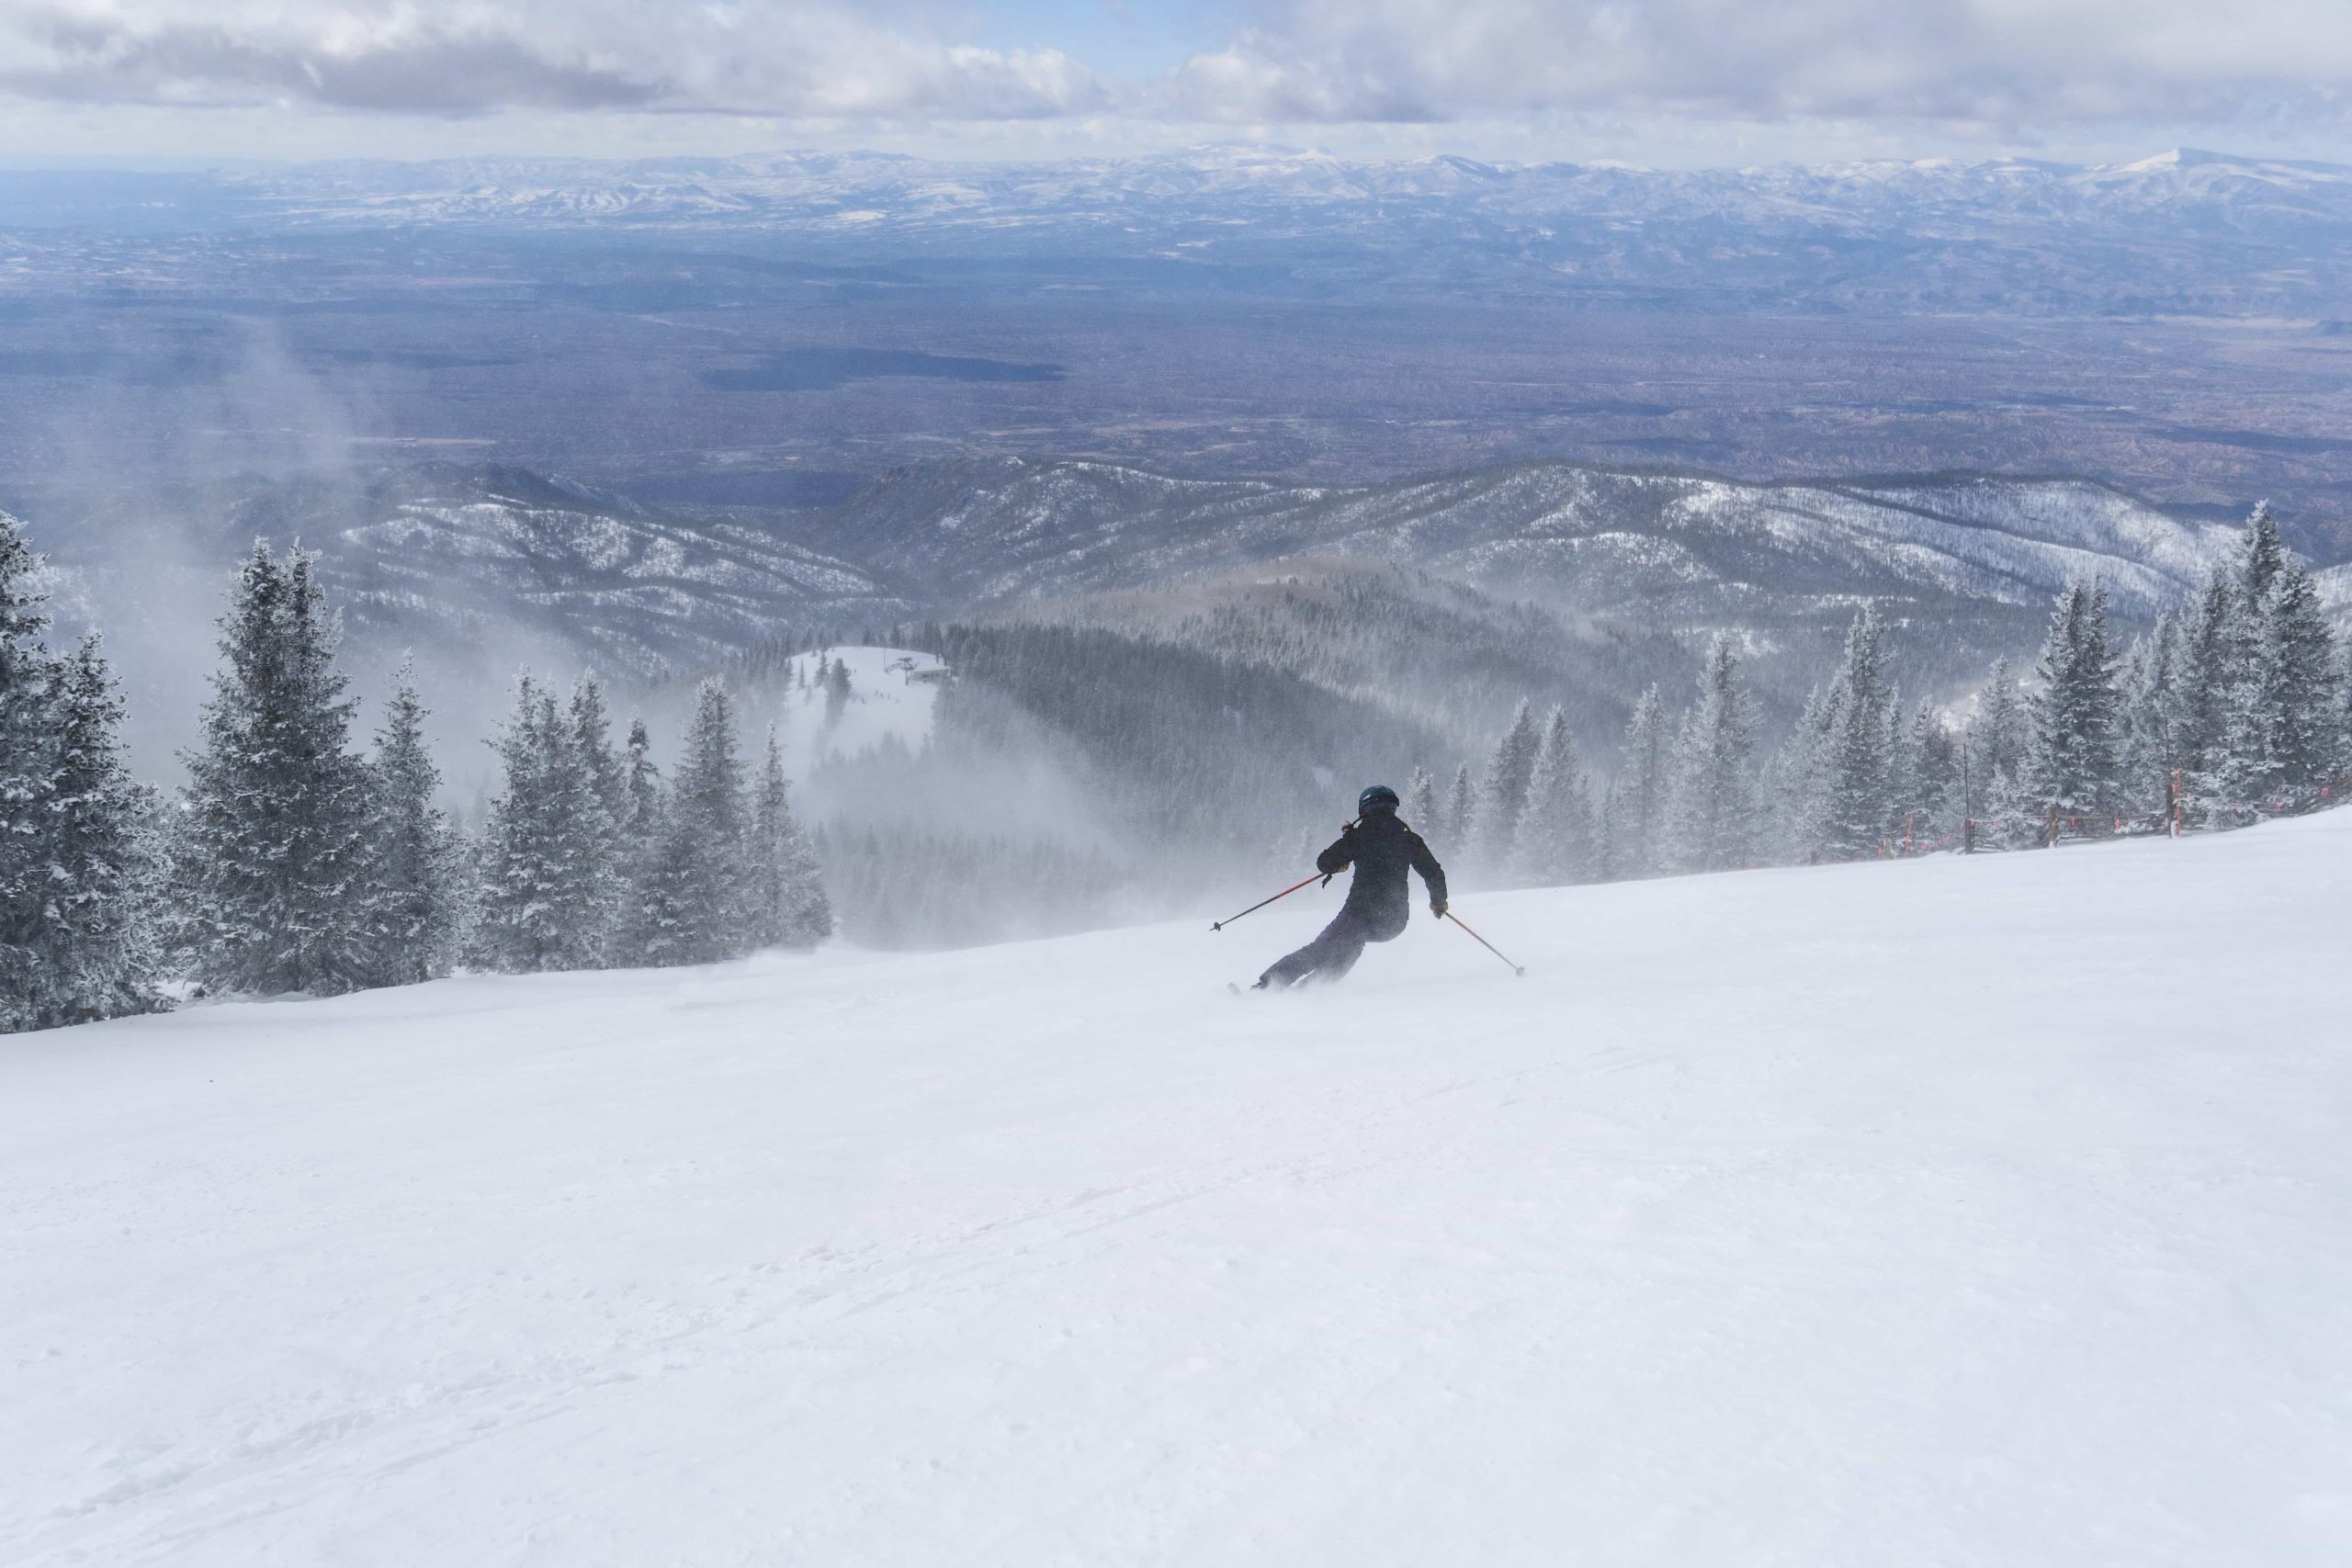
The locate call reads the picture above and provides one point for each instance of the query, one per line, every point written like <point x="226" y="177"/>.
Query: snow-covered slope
<point x="1956" y="1211"/>
<point x="891" y="692"/>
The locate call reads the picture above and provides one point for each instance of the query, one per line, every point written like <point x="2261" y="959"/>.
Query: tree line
<point x="2233" y="703"/>
<point x="291" y="861"/>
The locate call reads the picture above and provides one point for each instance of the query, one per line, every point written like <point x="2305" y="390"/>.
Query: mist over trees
<point x="1071" y="777"/>
<point x="292" y="862"/>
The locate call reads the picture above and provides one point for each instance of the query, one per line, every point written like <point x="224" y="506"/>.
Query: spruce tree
<point x="1553" y="843"/>
<point x="30" y="681"/>
<point x="2001" y="744"/>
<point x="2145" y="755"/>
<point x="2210" y="718"/>
<point x="550" y="887"/>
<point x="2075" y="713"/>
<point x="642" y="787"/>
<point x="1931" y="773"/>
<point x="1422" y="807"/>
<point x="1795" y="783"/>
<point x="1461" y="811"/>
<point x="2297" y="699"/>
<point x="104" y="876"/>
<point x="787" y="907"/>
<point x="78" y="925"/>
<point x="419" y="863"/>
<point x="1713" y="814"/>
<point x="1502" y="796"/>
<point x="274" y="856"/>
<point x="604" y="837"/>
<point x="515" y="930"/>
<point x="2262" y="556"/>
<point x="1637" y="820"/>
<point x="1854" y="762"/>
<point x="698" y="884"/>
<point x="643" y="919"/>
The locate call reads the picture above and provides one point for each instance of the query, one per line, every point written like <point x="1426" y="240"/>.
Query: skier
<point x="1380" y="847"/>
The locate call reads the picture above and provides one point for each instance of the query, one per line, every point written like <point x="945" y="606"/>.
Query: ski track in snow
<point x="1956" y="1211"/>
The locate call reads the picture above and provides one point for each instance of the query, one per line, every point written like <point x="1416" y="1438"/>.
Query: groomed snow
<point x="1992" y="1212"/>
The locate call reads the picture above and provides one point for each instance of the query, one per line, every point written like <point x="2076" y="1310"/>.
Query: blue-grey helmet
<point x="1379" y="797"/>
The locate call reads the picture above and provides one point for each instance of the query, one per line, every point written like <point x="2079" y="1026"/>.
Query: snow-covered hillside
<point x="1966" y="1212"/>
<point x="1667" y="546"/>
<point x="890" y="694"/>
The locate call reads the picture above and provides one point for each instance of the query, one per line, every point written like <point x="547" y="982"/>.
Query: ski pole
<point x="1220" y="925"/>
<point x="1489" y="946"/>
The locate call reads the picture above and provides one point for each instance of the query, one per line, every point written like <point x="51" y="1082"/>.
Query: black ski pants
<point x="1330" y="957"/>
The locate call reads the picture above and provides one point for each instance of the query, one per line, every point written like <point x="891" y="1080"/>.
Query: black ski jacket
<point x="1381" y="848"/>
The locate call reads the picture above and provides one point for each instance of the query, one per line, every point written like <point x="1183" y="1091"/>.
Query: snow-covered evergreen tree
<point x="787" y="907"/>
<point x="2297" y="701"/>
<point x="2075" y="713"/>
<point x="1461" y="811"/>
<point x="697" y="878"/>
<point x="273" y="854"/>
<point x="2210" y="718"/>
<point x="607" y="774"/>
<point x="77" y="873"/>
<point x="642" y="787"/>
<point x="1851" y="769"/>
<point x="551" y="877"/>
<point x="1929" y="802"/>
<point x="1712" y="814"/>
<point x="30" y="682"/>
<point x="2145" y="753"/>
<point x="104" y="875"/>
<point x="2262" y="556"/>
<point x="1422" y="807"/>
<point x="1553" y="843"/>
<point x="638" y="930"/>
<point x="1637" y="814"/>
<point x="2001" y="748"/>
<point x="515" y="928"/>
<point x="550" y="884"/>
<point x="419" y="865"/>
<point x="1502" y="795"/>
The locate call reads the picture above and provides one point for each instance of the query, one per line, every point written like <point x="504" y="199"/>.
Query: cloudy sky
<point x="1656" y="81"/>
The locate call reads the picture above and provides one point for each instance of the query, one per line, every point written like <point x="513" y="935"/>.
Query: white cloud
<point x="2006" y="66"/>
<point x="1989" y="61"/>
<point x="779" y="56"/>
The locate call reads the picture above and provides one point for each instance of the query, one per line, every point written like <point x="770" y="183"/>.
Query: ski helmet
<point x="1379" y="797"/>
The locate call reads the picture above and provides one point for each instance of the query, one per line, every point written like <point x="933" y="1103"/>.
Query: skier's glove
<point x="1437" y="908"/>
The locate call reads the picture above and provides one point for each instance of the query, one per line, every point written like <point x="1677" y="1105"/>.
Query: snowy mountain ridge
<point x="1675" y="546"/>
<point x="2184" y="233"/>
<point x="900" y="190"/>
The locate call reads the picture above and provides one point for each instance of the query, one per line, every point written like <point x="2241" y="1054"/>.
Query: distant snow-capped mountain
<point x="2183" y="233"/>
<point x="880" y="188"/>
